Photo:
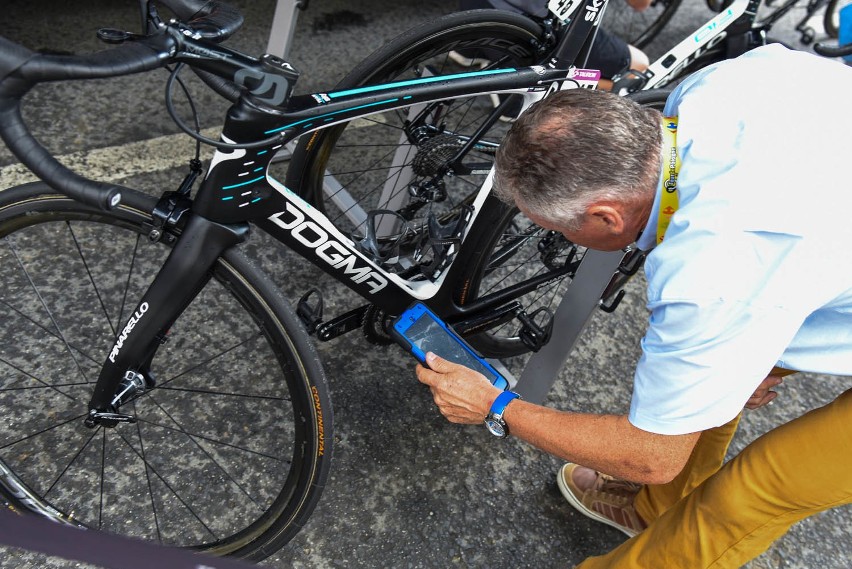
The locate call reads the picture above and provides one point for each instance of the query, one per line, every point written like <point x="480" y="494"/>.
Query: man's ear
<point x="608" y="218"/>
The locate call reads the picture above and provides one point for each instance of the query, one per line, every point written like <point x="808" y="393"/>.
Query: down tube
<point x="312" y="236"/>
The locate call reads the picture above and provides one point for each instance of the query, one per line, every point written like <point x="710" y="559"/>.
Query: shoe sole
<point x="569" y="495"/>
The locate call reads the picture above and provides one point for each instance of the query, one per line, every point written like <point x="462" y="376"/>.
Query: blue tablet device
<point x="419" y="330"/>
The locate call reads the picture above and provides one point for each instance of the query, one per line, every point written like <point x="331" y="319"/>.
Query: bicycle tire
<point x="514" y="233"/>
<point x="639" y="28"/>
<point x="368" y="159"/>
<point x="831" y="18"/>
<point x="231" y="448"/>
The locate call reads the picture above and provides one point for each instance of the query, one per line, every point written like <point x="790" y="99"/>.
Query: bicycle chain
<point x="434" y="153"/>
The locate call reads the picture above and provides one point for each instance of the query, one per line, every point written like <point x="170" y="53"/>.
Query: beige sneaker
<point x="601" y="497"/>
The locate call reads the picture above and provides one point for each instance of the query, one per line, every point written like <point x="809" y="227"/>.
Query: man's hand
<point x="461" y="394"/>
<point x="764" y="394"/>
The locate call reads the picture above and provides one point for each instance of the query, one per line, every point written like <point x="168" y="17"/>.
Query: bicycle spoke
<point x="148" y="482"/>
<point x="213" y="460"/>
<point x="91" y="278"/>
<point x="46" y="330"/>
<point x="206" y="361"/>
<point x="103" y="480"/>
<point x="224" y="393"/>
<point x="171" y="488"/>
<point x="43" y="385"/>
<point x="67" y="466"/>
<point x="42" y="431"/>
<point x="43" y="304"/>
<point x="215" y="441"/>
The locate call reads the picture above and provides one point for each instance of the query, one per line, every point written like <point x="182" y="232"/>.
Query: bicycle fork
<point x="188" y="268"/>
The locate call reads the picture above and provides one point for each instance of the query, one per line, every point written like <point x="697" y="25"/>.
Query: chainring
<point x="376" y="325"/>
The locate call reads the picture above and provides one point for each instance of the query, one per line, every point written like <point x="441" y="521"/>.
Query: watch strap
<point x="499" y="405"/>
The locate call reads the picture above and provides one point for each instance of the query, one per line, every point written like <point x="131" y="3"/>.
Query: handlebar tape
<point x="123" y="60"/>
<point x="21" y="68"/>
<point x="39" y="160"/>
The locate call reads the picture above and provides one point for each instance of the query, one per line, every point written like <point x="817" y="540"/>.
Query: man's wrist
<point x="494" y="421"/>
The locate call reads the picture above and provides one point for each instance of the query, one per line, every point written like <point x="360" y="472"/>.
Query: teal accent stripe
<point x="227" y="198"/>
<point x="274" y="130"/>
<point x="422" y="81"/>
<point x="243" y="183"/>
<point x="262" y="152"/>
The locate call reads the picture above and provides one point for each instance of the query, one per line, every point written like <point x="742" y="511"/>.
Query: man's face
<point x="602" y="229"/>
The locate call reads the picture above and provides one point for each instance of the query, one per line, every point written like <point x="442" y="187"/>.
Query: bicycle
<point x="735" y="30"/>
<point x="116" y="379"/>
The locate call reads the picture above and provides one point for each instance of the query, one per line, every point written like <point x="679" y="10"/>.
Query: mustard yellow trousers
<point x="722" y="516"/>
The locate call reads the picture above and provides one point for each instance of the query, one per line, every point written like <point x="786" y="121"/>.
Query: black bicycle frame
<point x="237" y="190"/>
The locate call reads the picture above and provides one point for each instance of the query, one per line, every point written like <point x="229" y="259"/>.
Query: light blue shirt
<point x="755" y="268"/>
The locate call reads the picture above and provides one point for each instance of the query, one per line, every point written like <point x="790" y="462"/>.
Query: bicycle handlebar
<point x="21" y="69"/>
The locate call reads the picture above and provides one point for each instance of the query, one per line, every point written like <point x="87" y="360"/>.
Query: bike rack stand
<point x="283" y="26"/>
<point x="279" y="43"/>
<point x="573" y="313"/>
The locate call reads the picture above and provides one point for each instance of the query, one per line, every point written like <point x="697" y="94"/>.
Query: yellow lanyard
<point x="668" y="183"/>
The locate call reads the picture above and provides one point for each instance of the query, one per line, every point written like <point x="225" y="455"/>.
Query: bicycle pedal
<point x="310" y="315"/>
<point x="533" y="334"/>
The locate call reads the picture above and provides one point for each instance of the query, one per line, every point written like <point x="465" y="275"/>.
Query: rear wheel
<point x="231" y="447"/>
<point x="636" y="27"/>
<point x="389" y="172"/>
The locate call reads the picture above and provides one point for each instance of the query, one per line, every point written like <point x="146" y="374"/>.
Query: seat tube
<point x="185" y="272"/>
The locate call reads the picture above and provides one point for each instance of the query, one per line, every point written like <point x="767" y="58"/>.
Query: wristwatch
<point x="494" y="420"/>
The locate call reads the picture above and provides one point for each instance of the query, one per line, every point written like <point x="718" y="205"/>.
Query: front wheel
<point x="232" y="446"/>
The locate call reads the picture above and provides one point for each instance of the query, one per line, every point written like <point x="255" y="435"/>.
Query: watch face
<point x="496" y="427"/>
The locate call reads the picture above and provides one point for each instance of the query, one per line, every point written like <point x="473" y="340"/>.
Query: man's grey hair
<point x="575" y="148"/>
